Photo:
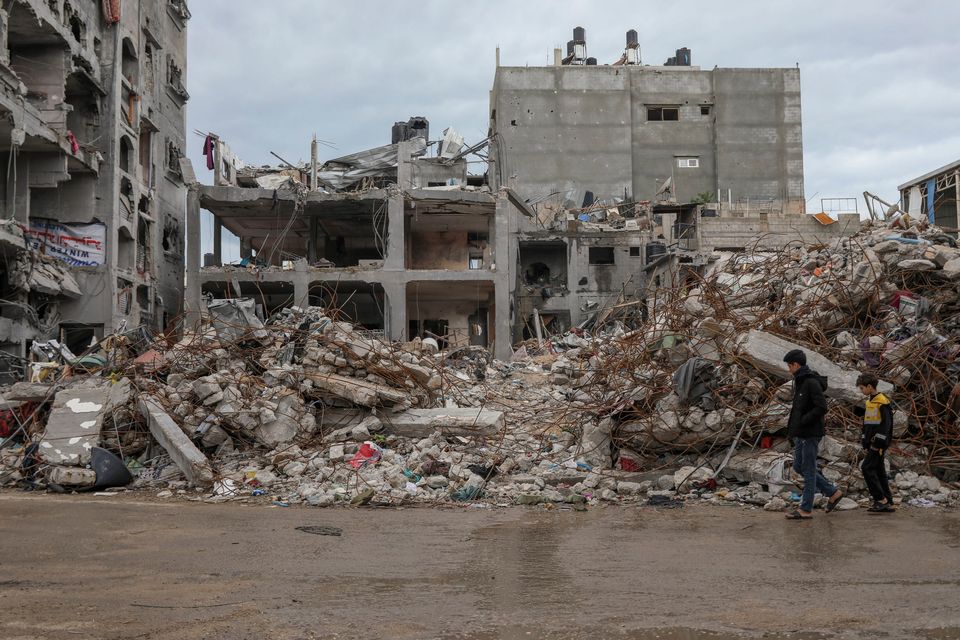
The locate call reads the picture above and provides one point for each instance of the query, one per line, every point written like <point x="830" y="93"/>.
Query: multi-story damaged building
<point x="637" y="171"/>
<point x="602" y="183"/>
<point x="93" y="102"/>
<point x="577" y="132"/>
<point x="400" y="241"/>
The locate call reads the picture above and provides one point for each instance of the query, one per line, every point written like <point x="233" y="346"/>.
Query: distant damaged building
<point x="636" y="172"/>
<point x="93" y="202"/>
<point x="403" y="242"/>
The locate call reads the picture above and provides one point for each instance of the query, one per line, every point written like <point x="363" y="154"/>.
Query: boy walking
<point x="876" y="437"/>
<point x="806" y="426"/>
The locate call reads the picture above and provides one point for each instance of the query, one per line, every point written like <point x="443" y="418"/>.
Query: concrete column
<point x="217" y="241"/>
<point x="301" y="285"/>
<point x="193" y="297"/>
<point x="4" y="40"/>
<point x="404" y="170"/>
<point x="396" y="236"/>
<point x="395" y="310"/>
<point x="218" y="164"/>
<point x="503" y="279"/>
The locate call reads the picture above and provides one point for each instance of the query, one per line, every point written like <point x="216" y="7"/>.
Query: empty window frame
<point x="705" y="109"/>
<point x="663" y="113"/>
<point x="634" y="252"/>
<point x="688" y="163"/>
<point x="602" y="256"/>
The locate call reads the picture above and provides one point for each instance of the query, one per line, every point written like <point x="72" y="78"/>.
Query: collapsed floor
<point x="304" y="408"/>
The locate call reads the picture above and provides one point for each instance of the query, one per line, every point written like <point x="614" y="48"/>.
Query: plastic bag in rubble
<point x="368" y="455"/>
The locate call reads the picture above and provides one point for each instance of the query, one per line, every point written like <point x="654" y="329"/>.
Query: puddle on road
<point x="646" y="634"/>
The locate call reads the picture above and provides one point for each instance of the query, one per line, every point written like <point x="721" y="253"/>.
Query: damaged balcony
<point x="50" y="89"/>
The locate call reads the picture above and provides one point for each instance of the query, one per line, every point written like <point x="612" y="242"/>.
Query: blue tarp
<point x="931" y="191"/>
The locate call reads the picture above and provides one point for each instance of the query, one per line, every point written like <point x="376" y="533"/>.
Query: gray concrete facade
<point x="561" y="132"/>
<point x="94" y="105"/>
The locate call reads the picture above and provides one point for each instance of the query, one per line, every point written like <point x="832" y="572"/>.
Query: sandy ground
<point x="87" y="567"/>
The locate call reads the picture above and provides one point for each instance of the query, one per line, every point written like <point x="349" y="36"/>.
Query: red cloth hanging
<point x="111" y="11"/>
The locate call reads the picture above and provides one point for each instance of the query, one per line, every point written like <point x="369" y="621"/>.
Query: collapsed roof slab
<point x="450" y="201"/>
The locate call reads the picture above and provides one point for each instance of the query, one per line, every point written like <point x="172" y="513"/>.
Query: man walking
<point x="806" y="426"/>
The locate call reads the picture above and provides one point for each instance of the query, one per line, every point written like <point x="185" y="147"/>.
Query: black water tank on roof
<point x="569" y="47"/>
<point x="632" y="38"/>
<point x="592" y="62"/>
<point x="655" y="250"/>
<point x="579" y="34"/>
<point x="400" y="132"/>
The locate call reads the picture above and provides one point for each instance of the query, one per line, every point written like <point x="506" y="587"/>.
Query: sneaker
<point x="880" y="507"/>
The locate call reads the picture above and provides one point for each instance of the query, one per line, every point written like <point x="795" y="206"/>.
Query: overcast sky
<point x="880" y="79"/>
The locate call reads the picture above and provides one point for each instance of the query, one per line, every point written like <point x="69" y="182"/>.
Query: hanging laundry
<point x="74" y="144"/>
<point x="208" y="152"/>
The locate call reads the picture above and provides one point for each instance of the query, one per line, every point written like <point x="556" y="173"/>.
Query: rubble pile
<point x="306" y="408"/>
<point x="707" y="372"/>
<point x="301" y="408"/>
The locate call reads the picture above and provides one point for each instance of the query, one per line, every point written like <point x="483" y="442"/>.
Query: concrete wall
<point x="569" y="130"/>
<point x="772" y="231"/>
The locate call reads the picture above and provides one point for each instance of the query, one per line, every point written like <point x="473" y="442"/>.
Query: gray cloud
<point x="881" y="83"/>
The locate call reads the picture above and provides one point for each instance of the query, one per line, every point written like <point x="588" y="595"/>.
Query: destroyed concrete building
<point x="93" y="131"/>
<point x="580" y="210"/>
<point x="394" y="238"/>
<point x="580" y="133"/>
<point x="638" y="172"/>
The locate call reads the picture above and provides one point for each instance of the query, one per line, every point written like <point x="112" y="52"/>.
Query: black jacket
<point x="809" y="405"/>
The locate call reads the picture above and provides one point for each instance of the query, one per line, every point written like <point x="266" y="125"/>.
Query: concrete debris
<point x="73" y="426"/>
<point x="691" y="404"/>
<point x="184" y="454"/>
<point x="421" y="423"/>
<point x="765" y="352"/>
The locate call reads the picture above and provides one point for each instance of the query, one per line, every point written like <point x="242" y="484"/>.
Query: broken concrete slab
<point x="362" y="392"/>
<point x="765" y="351"/>
<point x="184" y="454"/>
<point x="28" y="392"/>
<point x="917" y="265"/>
<point x="73" y="426"/>
<point x="951" y="269"/>
<point x="420" y="423"/>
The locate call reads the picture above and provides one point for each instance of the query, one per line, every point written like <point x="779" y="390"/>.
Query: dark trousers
<point x="875" y="475"/>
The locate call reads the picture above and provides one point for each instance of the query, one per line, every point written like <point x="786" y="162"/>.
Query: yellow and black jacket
<point x="877" y="422"/>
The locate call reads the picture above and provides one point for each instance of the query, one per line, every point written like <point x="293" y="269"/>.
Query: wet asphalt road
<point x="86" y="567"/>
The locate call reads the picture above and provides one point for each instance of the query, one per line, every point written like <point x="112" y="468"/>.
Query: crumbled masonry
<point x="302" y="407"/>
